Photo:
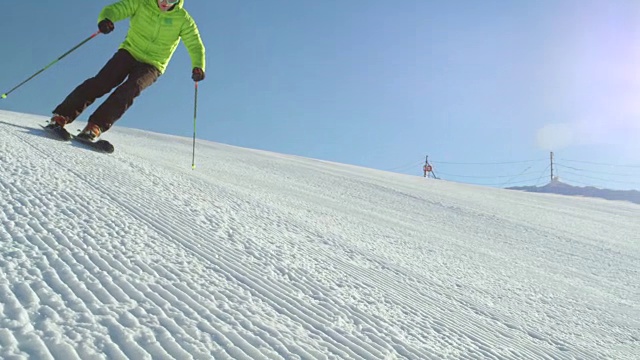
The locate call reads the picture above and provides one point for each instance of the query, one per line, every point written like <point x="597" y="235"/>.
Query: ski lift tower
<point x="428" y="169"/>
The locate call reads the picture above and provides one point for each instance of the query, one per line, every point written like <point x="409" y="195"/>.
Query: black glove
<point x="197" y="74"/>
<point x="106" y="26"/>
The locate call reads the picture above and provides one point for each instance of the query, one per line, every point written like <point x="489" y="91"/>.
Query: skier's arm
<point x="192" y="41"/>
<point x="119" y="10"/>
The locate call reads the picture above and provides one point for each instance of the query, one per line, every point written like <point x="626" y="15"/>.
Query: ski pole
<point x="4" y="96"/>
<point x="195" y="113"/>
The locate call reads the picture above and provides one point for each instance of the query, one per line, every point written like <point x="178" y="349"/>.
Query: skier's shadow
<point x="16" y="126"/>
<point x="37" y="131"/>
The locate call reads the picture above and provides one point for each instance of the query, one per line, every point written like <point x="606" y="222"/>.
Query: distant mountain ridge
<point x="558" y="187"/>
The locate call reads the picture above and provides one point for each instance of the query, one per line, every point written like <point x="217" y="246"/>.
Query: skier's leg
<point x="140" y="78"/>
<point x="113" y="73"/>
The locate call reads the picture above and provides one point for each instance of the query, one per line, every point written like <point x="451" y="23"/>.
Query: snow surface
<point x="256" y="255"/>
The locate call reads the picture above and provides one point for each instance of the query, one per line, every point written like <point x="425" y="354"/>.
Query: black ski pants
<point x="122" y="66"/>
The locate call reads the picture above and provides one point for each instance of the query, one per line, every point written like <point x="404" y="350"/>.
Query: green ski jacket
<point x="154" y="34"/>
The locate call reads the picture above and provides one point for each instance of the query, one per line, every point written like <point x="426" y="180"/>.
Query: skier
<point x="155" y="29"/>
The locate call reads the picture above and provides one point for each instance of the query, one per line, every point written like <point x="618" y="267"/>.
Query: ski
<point x="62" y="134"/>
<point x="99" y="145"/>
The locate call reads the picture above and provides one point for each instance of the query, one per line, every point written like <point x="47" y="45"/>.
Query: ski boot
<point x="89" y="136"/>
<point x="91" y="132"/>
<point x="57" y="124"/>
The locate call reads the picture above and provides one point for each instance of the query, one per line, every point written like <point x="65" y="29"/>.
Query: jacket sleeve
<point x="192" y="41"/>
<point x="119" y="10"/>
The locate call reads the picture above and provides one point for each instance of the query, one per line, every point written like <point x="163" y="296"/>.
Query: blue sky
<point x="377" y="83"/>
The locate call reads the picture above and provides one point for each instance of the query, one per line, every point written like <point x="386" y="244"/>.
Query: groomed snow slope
<point x="256" y="255"/>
